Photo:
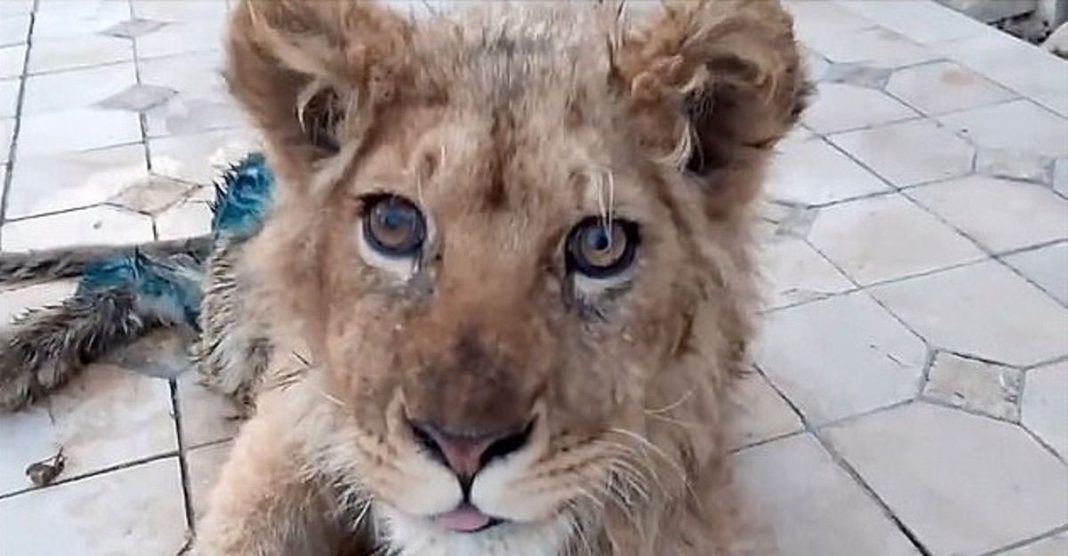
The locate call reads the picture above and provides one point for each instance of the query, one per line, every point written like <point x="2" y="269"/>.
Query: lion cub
<point x="506" y="282"/>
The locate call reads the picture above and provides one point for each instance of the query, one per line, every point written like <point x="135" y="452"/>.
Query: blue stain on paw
<point x="166" y="288"/>
<point x="243" y="198"/>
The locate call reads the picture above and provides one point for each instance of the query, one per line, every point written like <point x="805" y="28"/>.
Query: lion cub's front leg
<point x="263" y="503"/>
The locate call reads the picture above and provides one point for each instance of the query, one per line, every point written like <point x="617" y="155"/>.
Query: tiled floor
<point x="910" y="391"/>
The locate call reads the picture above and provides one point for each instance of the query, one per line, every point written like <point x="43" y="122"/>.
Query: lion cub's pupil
<point x="600" y="250"/>
<point x="393" y="226"/>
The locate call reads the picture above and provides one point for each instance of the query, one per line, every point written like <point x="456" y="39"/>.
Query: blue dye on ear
<point x="243" y="198"/>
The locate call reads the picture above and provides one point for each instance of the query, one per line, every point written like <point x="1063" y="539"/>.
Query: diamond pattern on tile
<point x="54" y="92"/>
<point x="1045" y="405"/>
<point x="872" y="46"/>
<point x="202" y="103"/>
<point x="137" y="510"/>
<point x="886" y="237"/>
<point x="98" y="225"/>
<point x="73" y="180"/>
<point x="207" y="416"/>
<point x="1014" y="165"/>
<point x="858" y="75"/>
<point x="840" y="356"/>
<point x="46" y="134"/>
<point x="983" y="310"/>
<point x="812" y="172"/>
<point x="999" y="214"/>
<point x="758" y="413"/>
<point x="12" y="60"/>
<point x="205" y="464"/>
<point x="138" y="98"/>
<point x="1018" y="125"/>
<point x="105" y="417"/>
<point x="796" y="273"/>
<point x="152" y="195"/>
<point x="133" y="28"/>
<point x="933" y="468"/>
<point x="944" y="87"/>
<point x="814" y="506"/>
<point x="187" y="219"/>
<point x="839" y="107"/>
<point x="1047" y="267"/>
<point x="200" y="158"/>
<point x="909" y="153"/>
<point x="993" y="390"/>
<point x="50" y="55"/>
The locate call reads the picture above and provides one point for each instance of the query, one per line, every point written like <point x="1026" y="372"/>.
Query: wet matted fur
<point x="506" y="126"/>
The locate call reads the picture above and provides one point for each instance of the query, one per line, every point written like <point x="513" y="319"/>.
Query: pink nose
<point x="467" y="452"/>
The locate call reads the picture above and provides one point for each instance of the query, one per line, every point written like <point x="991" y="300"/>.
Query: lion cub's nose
<point x="467" y="452"/>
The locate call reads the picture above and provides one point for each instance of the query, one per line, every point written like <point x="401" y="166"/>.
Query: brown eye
<point x="598" y="249"/>
<point x="393" y="226"/>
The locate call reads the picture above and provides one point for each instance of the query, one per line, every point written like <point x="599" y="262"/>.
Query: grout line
<point x="95" y="473"/>
<point x="183" y="464"/>
<point x="1028" y="541"/>
<point x="142" y="120"/>
<point x="17" y="123"/>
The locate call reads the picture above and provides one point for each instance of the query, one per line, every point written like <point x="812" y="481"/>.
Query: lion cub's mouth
<point x="466" y="518"/>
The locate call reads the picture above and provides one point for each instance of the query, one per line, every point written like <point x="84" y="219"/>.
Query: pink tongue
<point x="463" y="520"/>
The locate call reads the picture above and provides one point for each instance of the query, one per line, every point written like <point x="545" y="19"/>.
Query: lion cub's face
<point x="512" y="238"/>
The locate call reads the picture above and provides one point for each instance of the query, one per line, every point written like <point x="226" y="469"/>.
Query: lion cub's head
<point x="515" y="238"/>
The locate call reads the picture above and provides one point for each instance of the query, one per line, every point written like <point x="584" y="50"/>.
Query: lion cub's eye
<point x="597" y="249"/>
<point x="393" y="226"/>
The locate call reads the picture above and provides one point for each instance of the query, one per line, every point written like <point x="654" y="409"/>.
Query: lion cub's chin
<point x="423" y="536"/>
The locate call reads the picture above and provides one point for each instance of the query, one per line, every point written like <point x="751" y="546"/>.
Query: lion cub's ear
<point x="313" y="73"/>
<point x="713" y="86"/>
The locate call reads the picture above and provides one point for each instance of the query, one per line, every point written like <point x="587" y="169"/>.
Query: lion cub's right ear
<point x="313" y="74"/>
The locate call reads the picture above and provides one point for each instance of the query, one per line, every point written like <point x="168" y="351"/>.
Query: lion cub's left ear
<point x="713" y="85"/>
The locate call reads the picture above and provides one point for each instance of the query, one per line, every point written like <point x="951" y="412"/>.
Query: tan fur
<point x="507" y="125"/>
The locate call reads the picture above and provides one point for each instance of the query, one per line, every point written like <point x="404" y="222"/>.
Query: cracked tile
<point x="909" y="153"/>
<point x="201" y="157"/>
<point x="812" y="172"/>
<point x="983" y="310"/>
<point x="97" y="225"/>
<point x="858" y="75"/>
<point x="187" y="219"/>
<point x="1018" y="125"/>
<point x="758" y="413"/>
<point x="840" y="107"/>
<point x="138" y="98"/>
<point x="1000" y="214"/>
<point x="993" y="390"/>
<point x="65" y="181"/>
<point x="813" y="505"/>
<point x="796" y="273"/>
<point x="137" y="510"/>
<point x="944" y="87"/>
<point x="887" y="237"/>
<point x="1047" y="267"/>
<point x="1014" y="165"/>
<point x="1045" y="405"/>
<point x="948" y="476"/>
<point x="840" y="356"/>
